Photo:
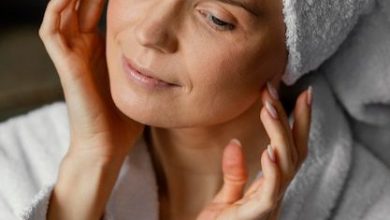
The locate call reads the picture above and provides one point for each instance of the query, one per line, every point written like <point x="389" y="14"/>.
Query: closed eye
<point x="216" y="22"/>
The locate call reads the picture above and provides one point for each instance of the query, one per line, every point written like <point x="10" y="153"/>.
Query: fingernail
<point x="271" y="109"/>
<point x="235" y="141"/>
<point x="310" y="96"/>
<point x="272" y="91"/>
<point x="271" y="153"/>
<point x="259" y="175"/>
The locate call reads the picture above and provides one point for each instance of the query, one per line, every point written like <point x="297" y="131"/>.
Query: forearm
<point x="83" y="188"/>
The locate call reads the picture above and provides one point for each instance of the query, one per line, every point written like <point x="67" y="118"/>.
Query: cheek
<point x="114" y="22"/>
<point x="223" y="70"/>
<point x="223" y="80"/>
<point x="114" y="12"/>
<point x="223" y="84"/>
<point x="123" y="13"/>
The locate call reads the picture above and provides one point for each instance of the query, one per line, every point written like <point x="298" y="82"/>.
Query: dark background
<point x="28" y="78"/>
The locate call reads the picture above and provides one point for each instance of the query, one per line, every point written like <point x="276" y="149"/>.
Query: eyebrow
<point x="250" y="6"/>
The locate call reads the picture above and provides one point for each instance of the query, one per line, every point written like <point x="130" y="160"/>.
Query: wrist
<point x="84" y="167"/>
<point x="83" y="188"/>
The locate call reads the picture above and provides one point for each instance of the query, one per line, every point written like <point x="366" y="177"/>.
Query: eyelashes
<point x="216" y="22"/>
<point x="221" y="24"/>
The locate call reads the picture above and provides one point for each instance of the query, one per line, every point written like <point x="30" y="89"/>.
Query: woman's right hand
<point x="73" y="41"/>
<point x="101" y="136"/>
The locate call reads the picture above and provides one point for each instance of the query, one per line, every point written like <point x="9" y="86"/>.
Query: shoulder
<point x="366" y="194"/>
<point x="31" y="148"/>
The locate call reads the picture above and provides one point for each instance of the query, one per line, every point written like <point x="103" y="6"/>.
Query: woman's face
<point x="216" y="56"/>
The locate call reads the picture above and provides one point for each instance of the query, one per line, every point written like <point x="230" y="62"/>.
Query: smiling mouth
<point x="144" y="76"/>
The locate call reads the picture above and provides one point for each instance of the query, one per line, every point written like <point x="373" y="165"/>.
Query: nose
<point x="156" y="28"/>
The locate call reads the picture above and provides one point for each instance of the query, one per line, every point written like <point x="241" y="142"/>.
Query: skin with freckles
<point x="213" y="119"/>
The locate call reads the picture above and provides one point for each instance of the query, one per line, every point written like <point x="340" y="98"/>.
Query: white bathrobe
<point x="340" y="179"/>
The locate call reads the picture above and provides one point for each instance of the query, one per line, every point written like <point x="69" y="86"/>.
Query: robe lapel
<point x="135" y="194"/>
<point x="311" y="195"/>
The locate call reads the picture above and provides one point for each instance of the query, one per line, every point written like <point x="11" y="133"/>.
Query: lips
<point x="144" y="75"/>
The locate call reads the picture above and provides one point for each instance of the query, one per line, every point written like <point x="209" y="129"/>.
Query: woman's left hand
<point x="288" y="148"/>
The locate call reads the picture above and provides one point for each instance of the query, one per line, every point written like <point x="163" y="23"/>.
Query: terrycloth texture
<point x="339" y="180"/>
<point x="315" y="30"/>
<point x="359" y="74"/>
<point x="31" y="148"/>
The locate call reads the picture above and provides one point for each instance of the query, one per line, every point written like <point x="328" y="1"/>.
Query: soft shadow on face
<point x="218" y="55"/>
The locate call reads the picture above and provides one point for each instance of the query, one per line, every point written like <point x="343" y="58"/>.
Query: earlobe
<point x="275" y="81"/>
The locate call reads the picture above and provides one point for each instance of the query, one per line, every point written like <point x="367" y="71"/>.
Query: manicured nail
<point x="235" y="141"/>
<point x="259" y="175"/>
<point x="272" y="91"/>
<point x="310" y="96"/>
<point x="271" y="153"/>
<point x="271" y="109"/>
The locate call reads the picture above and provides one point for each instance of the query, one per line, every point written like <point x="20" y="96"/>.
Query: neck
<point x="188" y="161"/>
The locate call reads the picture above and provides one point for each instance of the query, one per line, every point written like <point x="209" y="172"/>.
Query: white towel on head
<point x="359" y="74"/>
<point x="315" y="30"/>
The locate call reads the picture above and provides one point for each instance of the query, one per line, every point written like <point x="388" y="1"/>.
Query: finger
<point x="52" y="18"/>
<point x="268" y="95"/>
<point x="255" y="184"/>
<point x="90" y="12"/>
<point x="234" y="173"/>
<point x="50" y="32"/>
<point x="279" y="140"/>
<point x="272" y="94"/>
<point x="275" y="214"/>
<point x="69" y="20"/>
<point x="266" y="196"/>
<point x="271" y="175"/>
<point x="301" y="126"/>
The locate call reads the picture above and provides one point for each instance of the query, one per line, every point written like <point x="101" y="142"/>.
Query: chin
<point x="147" y="114"/>
<point x="133" y="110"/>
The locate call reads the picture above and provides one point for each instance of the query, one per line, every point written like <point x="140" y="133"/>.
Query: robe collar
<point x="312" y="194"/>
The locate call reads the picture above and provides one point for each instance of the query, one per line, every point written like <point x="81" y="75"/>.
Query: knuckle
<point x="45" y="34"/>
<point x="234" y="181"/>
<point x="269" y="204"/>
<point x="42" y="33"/>
<point x="263" y="114"/>
<point x="50" y="5"/>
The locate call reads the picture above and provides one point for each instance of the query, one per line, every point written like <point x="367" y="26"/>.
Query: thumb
<point x="234" y="173"/>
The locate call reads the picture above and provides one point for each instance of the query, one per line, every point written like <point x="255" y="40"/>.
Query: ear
<point x="276" y="80"/>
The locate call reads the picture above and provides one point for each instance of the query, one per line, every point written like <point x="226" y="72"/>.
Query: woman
<point x="198" y="74"/>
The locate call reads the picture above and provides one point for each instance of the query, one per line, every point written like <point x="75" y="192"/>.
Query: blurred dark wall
<point x="22" y="11"/>
<point x="28" y="79"/>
